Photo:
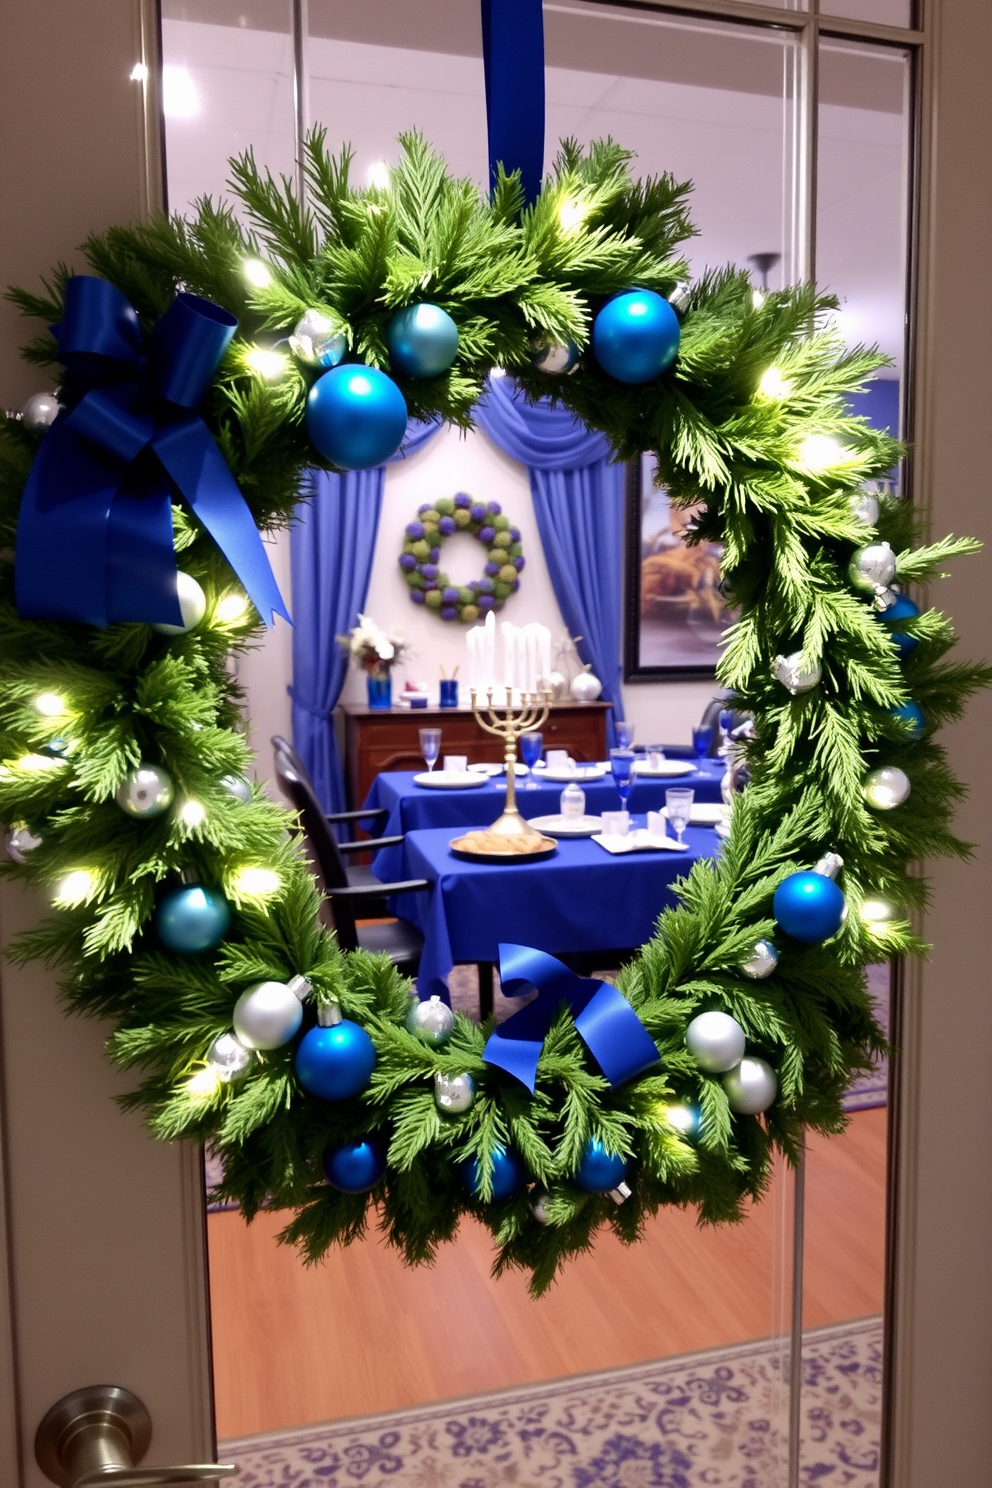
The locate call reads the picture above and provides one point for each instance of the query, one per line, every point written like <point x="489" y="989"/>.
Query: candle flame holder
<point x="508" y="722"/>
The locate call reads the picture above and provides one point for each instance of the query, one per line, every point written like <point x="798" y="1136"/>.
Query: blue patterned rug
<point x="708" y="1420"/>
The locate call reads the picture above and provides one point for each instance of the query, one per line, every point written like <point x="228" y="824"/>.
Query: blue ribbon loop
<point x="94" y="538"/>
<point x="513" y="59"/>
<point x="604" y="1019"/>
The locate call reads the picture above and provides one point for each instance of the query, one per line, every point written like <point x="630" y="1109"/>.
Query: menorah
<point x="508" y="722"/>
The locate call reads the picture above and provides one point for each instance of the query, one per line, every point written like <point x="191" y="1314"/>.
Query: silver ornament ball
<point x="886" y="787"/>
<point x="539" y="1208"/>
<point x="873" y="567"/>
<point x="192" y="605"/>
<point x="229" y="1057"/>
<point x="586" y="686"/>
<point x="40" y="412"/>
<point x="761" y="962"/>
<point x="146" y="792"/>
<point x="237" y="786"/>
<point x="794" y="675"/>
<point x="864" y="506"/>
<point x="269" y="1014"/>
<point x="751" y="1087"/>
<point x="554" y="357"/>
<point x="716" y="1042"/>
<point x="454" y="1093"/>
<point x="19" y="841"/>
<point x="315" y="340"/>
<point x="432" y="1021"/>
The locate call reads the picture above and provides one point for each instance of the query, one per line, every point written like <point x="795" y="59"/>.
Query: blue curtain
<point x="331" y="551"/>
<point x="578" y="501"/>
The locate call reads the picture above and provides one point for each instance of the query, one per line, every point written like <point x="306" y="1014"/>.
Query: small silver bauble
<point x="40" y="412"/>
<point x="229" y="1057"/>
<point x="539" y="1207"/>
<point x="716" y="1041"/>
<point x="146" y="792"/>
<point x="886" y="787"/>
<point x="433" y="1021"/>
<point x="192" y="605"/>
<point x="761" y="962"/>
<point x="864" y="506"/>
<point x="873" y="567"/>
<point x="237" y="786"/>
<point x="751" y="1087"/>
<point x="453" y="1093"/>
<point x="586" y="686"/>
<point x="19" y="841"/>
<point x="315" y="340"/>
<point x="269" y="1014"/>
<point x="794" y="675"/>
<point x="554" y="357"/>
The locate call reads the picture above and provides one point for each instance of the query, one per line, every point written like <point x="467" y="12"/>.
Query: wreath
<point x="185" y="914"/>
<point x="429" y="584"/>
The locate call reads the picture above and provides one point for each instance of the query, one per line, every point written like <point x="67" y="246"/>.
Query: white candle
<point x="544" y="647"/>
<point x="509" y="655"/>
<point x="532" y="661"/>
<point x="489" y="678"/>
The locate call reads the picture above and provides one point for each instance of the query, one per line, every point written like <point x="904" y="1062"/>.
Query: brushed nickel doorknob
<point x="98" y="1434"/>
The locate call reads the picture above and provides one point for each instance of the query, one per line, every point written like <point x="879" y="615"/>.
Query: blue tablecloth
<point x="413" y="807"/>
<point x="582" y="899"/>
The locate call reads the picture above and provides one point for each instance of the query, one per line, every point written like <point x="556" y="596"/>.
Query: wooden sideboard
<point x="379" y="739"/>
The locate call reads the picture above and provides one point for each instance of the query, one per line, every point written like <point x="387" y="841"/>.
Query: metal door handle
<point x="97" y="1435"/>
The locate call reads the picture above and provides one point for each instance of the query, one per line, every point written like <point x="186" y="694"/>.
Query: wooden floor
<point x="360" y="1333"/>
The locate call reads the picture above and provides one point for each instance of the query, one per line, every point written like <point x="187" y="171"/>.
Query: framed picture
<point x="675" y="613"/>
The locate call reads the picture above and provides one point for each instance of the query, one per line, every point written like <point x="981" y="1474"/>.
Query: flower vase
<point x="380" y="690"/>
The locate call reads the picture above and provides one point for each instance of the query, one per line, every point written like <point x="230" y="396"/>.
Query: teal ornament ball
<point x="509" y="1173"/>
<point x="716" y="1041"/>
<point x="902" y="608"/>
<point x="192" y="919"/>
<point x="335" y="1063"/>
<point x="911" y="714"/>
<point x="599" y="1171"/>
<point x="809" y="907"/>
<point x="635" y="337"/>
<point x="146" y="792"/>
<point x="422" y="341"/>
<point x="354" y="1167"/>
<point x="356" y="417"/>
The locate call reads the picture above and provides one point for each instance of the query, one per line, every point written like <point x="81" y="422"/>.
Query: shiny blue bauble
<point x="912" y="714"/>
<point x="902" y="609"/>
<point x="422" y="341"/>
<point x="335" y="1063"/>
<point x="192" y="919"/>
<point x="509" y="1173"/>
<point x="809" y="907"/>
<point x="356" y="416"/>
<point x="636" y="336"/>
<point x="354" y="1167"/>
<point x="599" y="1171"/>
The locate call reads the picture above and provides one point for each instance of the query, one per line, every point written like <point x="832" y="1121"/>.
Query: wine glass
<point x="726" y="723"/>
<point x="531" y="746"/>
<point x="624" y="732"/>
<point x="622" y="765"/>
<point x="430" y="746"/>
<point x="702" y="740"/>
<point x="678" y="804"/>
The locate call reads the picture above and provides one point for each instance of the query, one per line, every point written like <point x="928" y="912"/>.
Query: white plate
<point x="702" y="813"/>
<point x="490" y="770"/>
<point x="450" y="779"/>
<point x="566" y="826"/>
<point x="578" y="773"/>
<point x="665" y="768"/>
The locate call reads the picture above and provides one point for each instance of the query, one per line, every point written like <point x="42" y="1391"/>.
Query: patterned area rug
<point x="707" y="1420"/>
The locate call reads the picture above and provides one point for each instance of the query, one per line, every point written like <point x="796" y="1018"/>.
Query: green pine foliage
<point x="728" y="442"/>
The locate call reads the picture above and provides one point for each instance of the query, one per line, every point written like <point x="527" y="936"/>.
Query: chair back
<point x="296" y="785"/>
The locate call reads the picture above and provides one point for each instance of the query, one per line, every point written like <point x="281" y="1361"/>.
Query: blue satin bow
<point x="513" y="62"/>
<point x="604" y="1019"/>
<point x="94" y="539"/>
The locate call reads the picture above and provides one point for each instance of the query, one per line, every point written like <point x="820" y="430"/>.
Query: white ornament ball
<point x="554" y="683"/>
<point x="146" y="792"/>
<point x="433" y="1021"/>
<point x="453" y="1093"/>
<point x="237" y="786"/>
<point x="751" y="1087"/>
<point x="315" y="340"/>
<point x="40" y="412"/>
<point x="19" y="841"/>
<point x="873" y="567"/>
<point x="716" y="1042"/>
<point x="539" y="1208"/>
<point x="192" y="604"/>
<point x="864" y="506"/>
<point x="229" y="1057"/>
<point x="586" y="686"/>
<point x="761" y="962"/>
<point x="886" y="787"/>
<point x="268" y="1015"/>
<point x="793" y="675"/>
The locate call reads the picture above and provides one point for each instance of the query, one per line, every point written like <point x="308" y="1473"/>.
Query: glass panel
<point x="882" y="12"/>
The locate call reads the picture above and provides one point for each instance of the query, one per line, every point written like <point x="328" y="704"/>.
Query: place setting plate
<point x="576" y="773"/>
<point x="449" y="779"/>
<point x="703" y="813"/>
<point x="490" y="771"/>
<point x="567" y="826"/>
<point x="664" y="769"/>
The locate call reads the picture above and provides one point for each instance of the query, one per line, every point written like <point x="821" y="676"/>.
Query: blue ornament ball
<point x="599" y="1171"/>
<point x="635" y="337"/>
<point x="354" y="1167"/>
<point x="912" y="714"/>
<point x="809" y="907"/>
<point x="356" y="417"/>
<point x="509" y="1173"/>
<point x="422" y="341"/>
<point x="902" y="609"/>
<point x="337" y="1062"/>
<point x="192" y="919"/>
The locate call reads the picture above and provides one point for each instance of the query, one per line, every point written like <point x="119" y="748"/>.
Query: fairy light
<point x="877" y="911"/>
<point x="757" y="299"/>
<point x="774" y="385"/>
<point x="821" y="451"/>
<point x="76" y="887"/>
<point x="265" y="362"/>
<point x="50" y="705"/>
<point x="192" y="813"/>
<point x="572" y="214"/>
<point x="256" y="883"/>
<point x="35" y="764"/>
<point x="683" y="1118"/>
<point x="232" y="607"/>
<point x="204" y="1084"/>
<point x="378" y="175"/>
<point x="258" y="274"/>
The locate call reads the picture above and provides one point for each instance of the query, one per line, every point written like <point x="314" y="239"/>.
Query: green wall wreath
<point x="429" y="585"/>
<point x="124" y="759"/>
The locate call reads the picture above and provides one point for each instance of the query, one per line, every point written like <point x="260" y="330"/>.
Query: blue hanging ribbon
<point x="513" y="58"/>
<point x="94" y="538"/>
<point x="604" y="1019"/>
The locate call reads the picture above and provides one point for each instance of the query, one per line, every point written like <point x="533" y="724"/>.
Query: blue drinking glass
<point x="622" y="765"/>
<point x="531" y="748"/>
<point x="726" y="721"/>
<point x="702" y="739"/>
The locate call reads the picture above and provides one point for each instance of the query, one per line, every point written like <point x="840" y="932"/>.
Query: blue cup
<point x="449" y="692"/>
<point x="702" y="740"/>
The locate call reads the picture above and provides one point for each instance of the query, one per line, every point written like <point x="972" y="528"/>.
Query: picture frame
<point x="673" y="612"/>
